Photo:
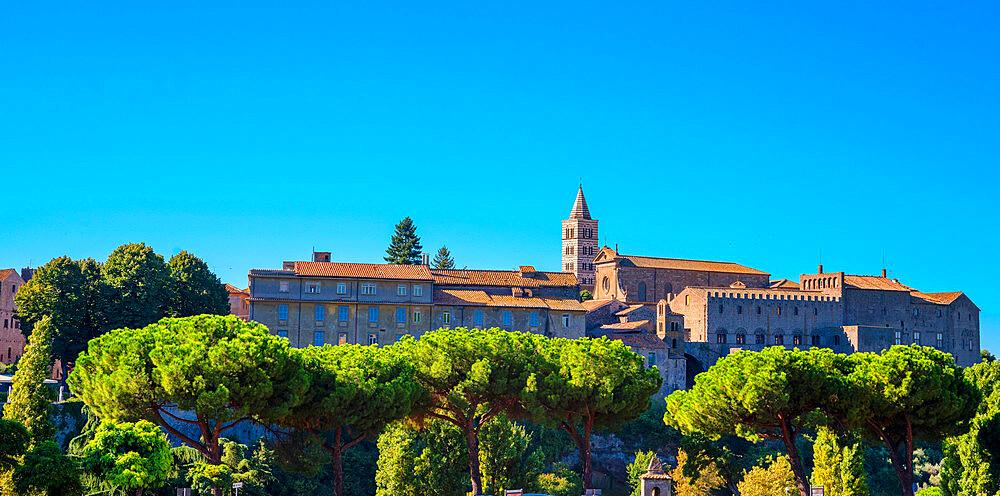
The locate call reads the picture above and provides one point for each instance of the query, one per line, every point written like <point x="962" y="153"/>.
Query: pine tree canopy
<point x="404" y="248"/>
<point x="443" y="259"/>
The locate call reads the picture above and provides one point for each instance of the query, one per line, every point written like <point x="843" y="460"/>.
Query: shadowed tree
<point x="404" y="248"/>
<point x="763" y="394"/>
<point x="354" y="391"/>
<point x="195" y="290"/>
<point x="470" y="376"/>
<point x="219" y="369"/>
<point x="972" y="461"/>
<point x="583" y="385"/>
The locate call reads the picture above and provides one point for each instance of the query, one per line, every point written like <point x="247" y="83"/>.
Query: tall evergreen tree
<point x="196" y="290"/>
<point x="443" y="260"/>
<point x="30" y="401"/>
<point x="404" y="248"/>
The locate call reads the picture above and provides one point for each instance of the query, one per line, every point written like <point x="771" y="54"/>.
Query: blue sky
<point x="760" y="134"/>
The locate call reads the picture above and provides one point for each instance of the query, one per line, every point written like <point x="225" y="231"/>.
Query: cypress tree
<point x="443" y="260"/>
<point x="404" y="248"/>
<point x="838" y="468"/>
<point x="30" y="401"/>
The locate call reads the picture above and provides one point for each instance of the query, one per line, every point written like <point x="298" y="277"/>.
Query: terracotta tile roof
<point x="875" y="282"/>
<point x="627" y="326"/>
<point x="481" y="298"/>
<point x="234" y="290"/>
<point x="363" y="271"/>
<point x="698" y="265"/>
<point x="628" y="310"/>
<point x="946" y="298"/>
<point x="639" y="340"/>
<point x="6" y="272"/>
<point x="784" y="284"/>
<point x="592" y="305"/>
<point x="502" y="278"/>
<point x="526" y="268"/>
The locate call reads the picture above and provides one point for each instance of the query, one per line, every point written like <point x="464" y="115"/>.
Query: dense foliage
<point x="30" y="400"/>
<point x="972" y="460"/>
<point x="443" y="259"/>
<point x="130" y="456"/>
<point x="404" y="247"/>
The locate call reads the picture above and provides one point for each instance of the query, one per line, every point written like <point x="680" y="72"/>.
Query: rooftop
<point x="476" y="297"/>
<point x="784" y="284"/>
<point x="626" y="326"/>
<point x="639" y="340"/>
<point x="682" y="264"/>
<point x="519" y="278"/>
<point x="580" y="210"/>
<point x="875" y="282"/>
<point x="353" y="270"/>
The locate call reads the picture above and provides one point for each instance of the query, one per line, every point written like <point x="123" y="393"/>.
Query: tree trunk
<point x="788" y="436"/>
<point x="904" y="471"/>
<point x="473" y="443"/>
<point x="337" y="453"/>
<point x="588" y="474"/>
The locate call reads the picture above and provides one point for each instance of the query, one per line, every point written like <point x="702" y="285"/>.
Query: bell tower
<point x="579" y="242"/>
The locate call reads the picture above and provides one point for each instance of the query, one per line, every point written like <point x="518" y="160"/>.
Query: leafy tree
<point x="416" y="462"/>
<point x="730" y="457"/>
<point x="776" y="479"/>
<point x="65" y="291"/>
<point x="636" y="469"/>
<point x="404" y="248"/>
<point x="562" y="481"/>
<point x="220" y="369"/>
<point x="48" y="471"/>
<point x="470" y="376"/>
<point x="30" y="400"/>
<point x="972" y="460"/>
<point x="588" y="384"/>
<point x="195" y="290"/>
<point x="909" y="393"/>
<point x="14" y="440"/>
<point x="706" y="483"/>
<point x="765" y="394"/>
<point x="138" y="283"/>
<point x="131" y="456"/>
<point x="443" y="260"/>
<point x="354" y="391"/>
<point x="505" y="458"/>
<point x="586" y="295"/>
<point x="839" y="469"/>
<point x="208" y="477"/>
<point x="987" y="356"/>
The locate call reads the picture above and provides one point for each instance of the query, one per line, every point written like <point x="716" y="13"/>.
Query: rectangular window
<point x="898" y="337"/>
<point x="815" y="340"/>
<point x="836" y="340"/>
<point x="506" y="317"/>
<point x="368" y="289"/>
<point x="372" y="339"/>
<point x="320" y="312"/>
<point x="343" y="313"/>
<point x="417" y="316"/>
<point x="312" y="287"/>
<point x="283" y="286"/>
<point x="446" y="318"/>
<point x="400" y="315"/>
<point x="401" y="290"/>
<point x="779" y="310"/>
<point x="721" y="308"/>
<point x="758" y="310"/>
<point x="283" y="334"/>
<point x="739" y="309"/>
<point x="319" y="338"/>
<point x="796" y="311"/>
<point x="418" y="290"/>
<point x="282" y="312"/>
<point x="342" y="338"/>
<point x="651" y="360"/>
<point x="341" y="288"/>
<point x="565" y="319"/>
<point x="759" y="339"/>
<point x="741" y="339"/>
<point x="779" y="339"/>
<point x="533" y="319"/>
<point x="940" y="341"/>
<point x="372" y="314"/>
<point x="916" y="337"/>
<point x="477" y="318"/>
<point x="720" y="338"/>
<point x="796" y="339"/>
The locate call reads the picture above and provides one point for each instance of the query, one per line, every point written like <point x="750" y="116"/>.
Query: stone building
<point x="238" y="304"/>
<point x="11" y="340"/>
<point x="634" y="278"/>
<point x="579" y="242"/>
<point x="846" y="313"/>
<point x="339" y="303"/>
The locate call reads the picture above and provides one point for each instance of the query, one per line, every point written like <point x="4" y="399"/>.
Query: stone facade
<point x="843" y="312"/>
<point x="579" y="242"/>
<point x="314" y="303"/>
<point x="11" y="340"/>
<point x="238" y="304"/>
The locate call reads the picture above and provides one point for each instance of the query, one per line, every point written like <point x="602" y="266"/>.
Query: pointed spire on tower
<point x="580" y="210"/>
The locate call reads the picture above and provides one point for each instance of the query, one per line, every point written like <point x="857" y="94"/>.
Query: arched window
<point x="741" y="338"/>
<point x="673" y="343"/>
<point x="779" y="339"/>
<point x="606" y="284"/>
<point x="759" y="338"/>
<point x="642" y="291"/>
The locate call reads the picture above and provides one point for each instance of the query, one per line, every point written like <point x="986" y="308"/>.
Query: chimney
<point x="321" y="256"/>
<point x="425" y="259"/>
<point x="883" y="274"/>
<point x="820" y="269"/>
